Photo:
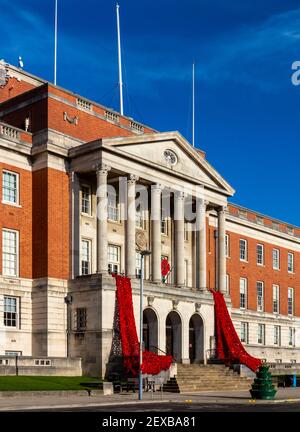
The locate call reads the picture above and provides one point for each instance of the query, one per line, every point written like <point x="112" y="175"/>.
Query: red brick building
<point x="56" y="294"/>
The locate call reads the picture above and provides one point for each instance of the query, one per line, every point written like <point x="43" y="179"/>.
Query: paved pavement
<point x="286" y="400"/>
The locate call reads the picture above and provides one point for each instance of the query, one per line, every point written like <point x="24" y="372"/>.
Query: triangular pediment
<point x="191" y="163"/>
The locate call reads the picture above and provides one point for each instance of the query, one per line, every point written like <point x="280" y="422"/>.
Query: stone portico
<point x="134" y="166"/>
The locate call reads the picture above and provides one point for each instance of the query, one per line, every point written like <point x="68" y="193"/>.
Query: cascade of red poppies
<point x="229" y="346"/>
<point x="152" y="364"/>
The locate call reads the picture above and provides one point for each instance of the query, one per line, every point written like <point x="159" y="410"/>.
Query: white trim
<point x="17" y="253"/>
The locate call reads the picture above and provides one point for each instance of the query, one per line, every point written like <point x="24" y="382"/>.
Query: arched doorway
<point x="174" y="335"/>
<point x="150" y="330"/>
<point x="196" y="339"/>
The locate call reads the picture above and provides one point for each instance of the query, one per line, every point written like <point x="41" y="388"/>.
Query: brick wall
<point x="253" y="272"/>
<point x="19" y="219"/>
<point x="50" y="224"/>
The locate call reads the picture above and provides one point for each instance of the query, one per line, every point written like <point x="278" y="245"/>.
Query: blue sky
<point x="247" y="110"/>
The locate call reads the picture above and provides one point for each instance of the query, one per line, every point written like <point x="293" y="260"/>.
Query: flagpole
<point x="120" y="61"/>
<point x="55" y="43"/>
<point x="193" y="132"/>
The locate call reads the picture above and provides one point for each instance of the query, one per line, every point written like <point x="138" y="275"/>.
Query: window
<point x="290" y="230"/>
<point x="186" y="232"/>
<point x="112" y="207"/>
<point x="86" y="200"/>
<point x="276" y="259"/>
<point x="277" y="335"/>
<point x="244" y="332"/>
<point x="275" y="226"/>
<point x="290" y="262"/>
<point x="113" y="259"/>
<point x="243" y="293"/>
<point x="292" y="334"/>
<point x="227" y="245"/>
<point x="9" y="252"/>
<point x="290" y="301"/>
<point x="227" y="284"/>
<point x="164" y="223"/>
<point x="139" y="219"/>
<point x="85" y="257"/>
<point x="261" y="334"/>
<point x="10" y="311"/>
<point x="276" y="298"/>
<point x="186" y="273"/>
<point x="260" y="296"/>
<point x="243" y="250"/>
<point x="80" y="319"/>
<point x="138" y="265"/>
<point x="10" y="186"/>
<point x="259" y="254"/>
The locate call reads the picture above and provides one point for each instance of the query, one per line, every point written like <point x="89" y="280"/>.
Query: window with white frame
<point x="244" y="332"/>
<point x="114" y="256"/>
<point x="260" y="295"/>
<point x="243" y="250"/>
<point x="164" y="223"/>
<point x="290" y="301"/>
<point x="140" y="219"/>
<point x="276" y="259"/>
<point x="243" y="293"/>
<point x="86" y="207"/>
<point x="292" y="336"/>
<point x="277" y="335"/>
<point x="10" y="187"/>
<point x="11" y="313"/>
<point x="290" y="262"/>
<point x="85" y="257"/>
<point x="138" y="265"/>
<point x="261" y="334"/>
<point x="259" y="254"/>
<point x="186" y="272"/>
<point x="227" y="284"/>
<point x="227" y="245"/>
<point x="10" y="252"/>
<point x="276" y="298"/>
<point x="112" y="207"/>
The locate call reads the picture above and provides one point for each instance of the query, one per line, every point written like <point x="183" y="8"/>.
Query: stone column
<point x="156" y="232"/>
<point x="130" y="227"/>
<point x="179" y="237"/>
<point x="102" y="264"/>
<point x="201" y="237"/>
<point x="75" y="220"/>
<point x="221" y="250"/>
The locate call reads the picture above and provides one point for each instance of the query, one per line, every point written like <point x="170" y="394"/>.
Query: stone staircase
<point x="194" y="378"/>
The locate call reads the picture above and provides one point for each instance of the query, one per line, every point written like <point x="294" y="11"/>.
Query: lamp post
<point x="143" y="254"/>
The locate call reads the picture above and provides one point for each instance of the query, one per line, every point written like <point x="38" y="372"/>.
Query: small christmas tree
<point x="262" y="387"/>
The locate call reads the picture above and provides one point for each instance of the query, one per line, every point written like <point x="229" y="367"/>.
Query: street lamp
<point x="143" y="254"/>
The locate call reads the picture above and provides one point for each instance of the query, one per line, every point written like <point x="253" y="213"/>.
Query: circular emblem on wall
<point x="141" y="240"/>
<point x="170" y="157"/>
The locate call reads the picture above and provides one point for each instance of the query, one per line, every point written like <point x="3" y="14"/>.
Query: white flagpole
<point x="120" y="61"/>
<point x="193" y="139"/>
<point x="55" y="43"/>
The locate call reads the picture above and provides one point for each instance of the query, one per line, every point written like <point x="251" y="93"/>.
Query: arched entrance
<point x="150" y="330"/>
<point x="174" y="335"/>
<point x="196" y="339"/>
